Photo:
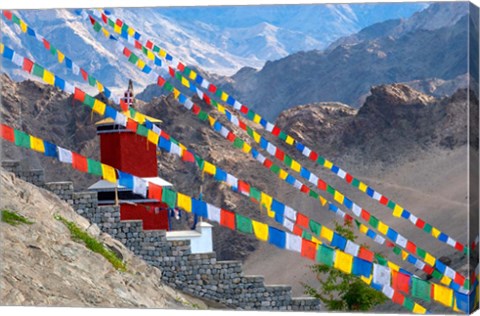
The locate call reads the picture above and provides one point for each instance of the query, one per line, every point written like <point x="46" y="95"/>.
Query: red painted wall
<point x="150" y="220"/>
<point x="130" y="153"/>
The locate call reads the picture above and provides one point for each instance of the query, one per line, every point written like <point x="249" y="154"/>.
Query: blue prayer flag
<point x="362" y="267"/>
<point x="199" y="207"/>
<point x="125" y="179"/>
<point x="50" y="149"/>
<point x="276" y="237"/>
<point x="339" y="241"/>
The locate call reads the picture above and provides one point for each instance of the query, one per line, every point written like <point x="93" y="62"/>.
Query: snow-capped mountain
<point x="219" y="40"/>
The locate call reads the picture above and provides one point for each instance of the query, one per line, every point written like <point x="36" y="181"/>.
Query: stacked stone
<point x="85" y="202"/>
<point x="64" y="190"/>
<point x="36" y="177"/>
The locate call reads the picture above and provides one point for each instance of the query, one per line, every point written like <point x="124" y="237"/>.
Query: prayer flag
<point x="325" y="255"/>
<point x="108" y="173"/>
<point x="227" y="219"/>
<point x="260" y="230"/>
<point x="343" y="262"/>
<point x="184" y="202"/>
<point x="244" y="224"/>
<point x="154" y="192"/>
<point x="169" y="197"/>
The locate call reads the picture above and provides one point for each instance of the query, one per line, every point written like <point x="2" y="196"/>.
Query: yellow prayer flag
<point x="185" y="82"/>
<point x="100" y="86"/>
<point x="150" y="55"/>
<point x="23" y="26"/>
<point x="1" y="48"/>
<point x="326" y="233"/>
<point x="176" y="93"/>
<point x="108" y="173"/>
<point x="105" y="32"/>
<point x="224" y="97"/>
<point x="221" y="109"/>
<point x="48" y="77"/>
<point x="182" y="147"/>
<point x="37" y="144"/>
<point x="397" y="211"/>
<point x="60" y="56"/>
<point x="429" y="259"/>
<point x="445" y="280"/>
<point x="256" y="137"/>
<point x="382" y="228"/>
<point x="266" y="200"/>
<point x="343" y="261"/>
<point x="99" y="107"/>
<point x="362" y="187"/>
<point x="289" y="140"/>
<point x="209" y="168"/>
<point x="295" y="166"/>
<point x="367" y="280"/>
<point x="140" y="64"/>
<point x="322" y="200"/>
<point x="363" y="229"/>
<point x="139" y="117"/>
<point x="257" y="118"/>
<point x="339" y="197"/>
<point x="152" y="137"/>
<point x="270" y="213"/>
<point x="328" y="164"/>
<point x="192" y="75"/>
<point x="315" y="240"/>
<point x="130" y="31"/>
<point x="282" y="174"/>
<point x="184" y="202"/>
<point x="418" y="309"/>
<point x="117" y="29"/>
<point x="404" y="255"/>
<point x="211" y="120"/>
<point x="162" y="53"/>
<point x="435" y="232"/>
<point x="246" y="148"/>
<point x="260" y="230"/>
<point x="442" y="295"/>
<point x="393" y="266"/>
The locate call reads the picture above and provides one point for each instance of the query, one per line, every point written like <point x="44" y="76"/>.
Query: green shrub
<point x="13" y="218"/>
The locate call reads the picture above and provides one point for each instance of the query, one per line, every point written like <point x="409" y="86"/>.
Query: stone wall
<point x="36" y="177"/>
<point x="200" y="275"/>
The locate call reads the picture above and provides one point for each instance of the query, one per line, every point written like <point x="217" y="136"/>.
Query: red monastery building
<point x="124" y="150"/>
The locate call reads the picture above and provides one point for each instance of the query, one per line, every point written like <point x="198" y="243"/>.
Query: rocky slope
<point x="42" y="265"/>
<point x="390" y="52"/>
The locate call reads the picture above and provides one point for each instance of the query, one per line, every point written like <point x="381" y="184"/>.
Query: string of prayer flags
<point x="397" y="210"/>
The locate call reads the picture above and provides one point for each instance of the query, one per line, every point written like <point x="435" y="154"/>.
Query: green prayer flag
<point x="238" y="143"/>
<point x="111" y="23"/>
<point x="203" y="116"/>
<point x="89" y="100"/>
<point x="178" y="76"/>
<point x="408" y="303"/>
<point x="355" y="182"/>
<point x="169" y="197"/>
<point x="391" y="205"/>
<point x="91" y="81"/>
<point x="421" y="253"/>
<point x="282" y="136"/>
<point x="97" y="27"/>
<point x="15" y="19"/>
<point x="373" y="221"/>
<point x="94" y="167"/>
<point x="250" y="114"/>
<point x="199" y="161"/>
<point x="427" y="228"/>
<point x="38" y="70"/>
<point x="287" y="160"/>
<point x="133" y="58"/>
<point x="168" y="86"/>
<point x="144" y="50"/>
<point x="249" y="131"/>
<point x="325" y="255"/>
<point x="306" y="235"/>
<point x="397" y="250"/>
<point x="421" y="289"/>
<point x="330" y="190"/>
<point x="275" y="169"/>
<point x="255" y="194"/>
<point x="244" y="224"/>
<point x="381" y="261"/>
<point x="142" y="130"/>
<point x="156" y="49"/>
<point x="315" y="227"/>
<point x="437" y="275"/>
<point x="313" y="194"/>
<point x="21" y="139"/>
<point x="53" y="50"/>
<point x="321" y="160"/>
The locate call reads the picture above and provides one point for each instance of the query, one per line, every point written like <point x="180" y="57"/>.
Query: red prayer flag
<point x="242" y="125"/>
<point x="459" y="279"/>
<point x="91" y="20"/>
<point x="7" y="14"/>
<point x="321" y="185"/>
<point x="181" y="67"/>
<point x="244" y="109"/>
<point x="267" y="163"/>
<point x="84" y="74"/>
<point x="160" y="81"/>
<point x="132" y="125"/>
<point x="7" y="133"/>
<point x="366" y="254"/>
<point x="138" y="45"/>
<point x="171" y="71"/>
<point x="46" y="44"/>
<point x="297" y="230"/>
<point x="119" y="23"/>
<point x="154" y="191"/>
<point x="348" y="178"/>
<point x="383" y="200"/>
<point x="309" y="249"/>
<point x="207" y="99"/>
<point x="231" y="137"/>
<point x="411" y="247"/>
<point x="401" y="281"/>
<point x="279" y="154"/>
<point x="302" y="220"/>
<point x="196" y="109"/>
<point x="275" y="131"/>
<point x="398" y="298"/>
<point x="27" y="65"/>
<point x="365" y="215"/>
<point x="165" y="135"/>
<point x="304" y="189"/>
<point x="123" y="105"/>
<point x="79" y="95"/>
<point x="127" y="52"/>
<point x="104" y="18"/>
<point x="227" y="219"/>
<point x="149" y="44"/>
<point x="79" y="162"/>
<point x="212" y="88"/>
<point x="420" y="223"/>
<point x="313" y="156"/>
<point x="188" y="156"/>
<point x="243" y="187"/>
<point x="428" y="269"/>
<point x="459" y="246"/>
